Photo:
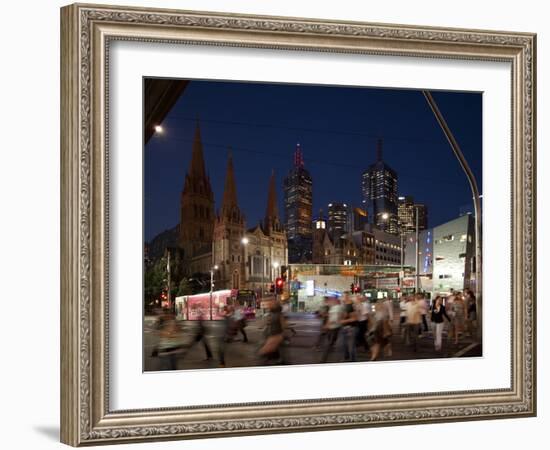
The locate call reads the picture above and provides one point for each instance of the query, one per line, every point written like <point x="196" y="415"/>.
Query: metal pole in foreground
<point x="402" y="271"/>
<point x="477" y="203"/>
<point x="416" y="259"/>
<point x="211" y="289"/>
<point x="169" y="282"/>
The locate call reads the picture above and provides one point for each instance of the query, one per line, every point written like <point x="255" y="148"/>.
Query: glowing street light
<point x="244" y="241"/>
<point x="212" y="287"/>
<point x="158" y="129"/>
<point x="385" y="216"/>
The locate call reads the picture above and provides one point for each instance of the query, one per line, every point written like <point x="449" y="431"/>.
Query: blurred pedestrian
<point x="286" y="309"/>
<point x="349" y="329"/>
<point x="226" y="333"/>
<point x="201" y="336"/>
<point x="414" y="318"/>
<point x="170" y="345"/>
<point x="403" y="315"/>
<point x="239" y="321"/>
<point x="271" y="349"/>
<point x="332" y="326"/>
<point x="438" y="313"/>
<point x="459" y="316"/>
<point x="471" y="311"/>
<point x="362" y="309"/>
<point x="322" y="314"/>
<point x="423" y="305"/>
<point x="381" y="331"/>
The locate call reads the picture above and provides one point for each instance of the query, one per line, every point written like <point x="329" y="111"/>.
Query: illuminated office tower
<point x="298" y="201"/>
<point x="379" y="186"/>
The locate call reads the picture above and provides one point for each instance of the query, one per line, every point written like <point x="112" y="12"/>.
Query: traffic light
<point x="283" y="272"/>
<point x="279" y="285"/>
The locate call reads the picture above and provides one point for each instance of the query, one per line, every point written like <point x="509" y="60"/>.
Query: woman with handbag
<point x="438" y="313"/>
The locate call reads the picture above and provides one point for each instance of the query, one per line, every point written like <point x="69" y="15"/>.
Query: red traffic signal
<point x="279" y="285"/>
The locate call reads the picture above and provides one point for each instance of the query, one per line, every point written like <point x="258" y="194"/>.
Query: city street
<point x="299" y="349"/>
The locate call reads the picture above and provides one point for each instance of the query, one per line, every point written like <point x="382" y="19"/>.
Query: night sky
<point x="337" y="128"/>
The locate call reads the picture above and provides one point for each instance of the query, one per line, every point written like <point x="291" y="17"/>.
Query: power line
<point x="418" y="179"/>
<point x="305" y="130"/>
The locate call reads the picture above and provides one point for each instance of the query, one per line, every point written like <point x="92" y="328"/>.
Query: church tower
<point x="229" y="230"/>
<point x="196" y="205"/>
<point x="272" y="223"/>
<point x="272" y="227"/>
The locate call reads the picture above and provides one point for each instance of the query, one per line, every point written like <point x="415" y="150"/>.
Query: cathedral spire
<point x="230" y="190"/>
<point x="197" y="168"/>
<point x="272" y="212"/>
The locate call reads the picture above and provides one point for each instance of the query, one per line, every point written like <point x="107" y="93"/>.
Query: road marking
<point x="465" y="350"/>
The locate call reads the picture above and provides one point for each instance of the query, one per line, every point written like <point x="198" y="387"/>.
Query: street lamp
<point x="245" y="241"/>
<point x="212" y="287"/>
<point x="158" y="129"/>
<point x="476" y="198"/>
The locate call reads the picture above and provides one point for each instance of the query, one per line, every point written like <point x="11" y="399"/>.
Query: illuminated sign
<point x="310" y="288"/>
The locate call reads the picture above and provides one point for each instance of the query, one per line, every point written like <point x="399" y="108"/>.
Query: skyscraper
<point x="379" y="186"/>
<point x="407" y="210"/>
<point x="358" y="219"/>
<point x="298" y="199"/>
<point x="337" y="220"/>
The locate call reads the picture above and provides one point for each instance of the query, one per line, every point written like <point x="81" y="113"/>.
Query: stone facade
<point x="196" y="206"/>
<point x="229" y="230"/>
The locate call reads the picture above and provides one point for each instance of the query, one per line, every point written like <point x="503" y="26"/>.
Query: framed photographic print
<point x="275" y="224"/>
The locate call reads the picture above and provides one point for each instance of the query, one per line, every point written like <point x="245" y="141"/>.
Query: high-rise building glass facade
<point x="337" y="220"/>
<point x="407" y="210"/>
<point x="298" y="200"/>
<point x="379" y="186"/>
<point x="405" y="214"/>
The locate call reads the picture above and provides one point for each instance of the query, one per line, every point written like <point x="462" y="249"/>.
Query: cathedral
<point x="240" y="258"/>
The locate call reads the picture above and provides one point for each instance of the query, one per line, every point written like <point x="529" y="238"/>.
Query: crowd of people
<point x="347" y="324"/>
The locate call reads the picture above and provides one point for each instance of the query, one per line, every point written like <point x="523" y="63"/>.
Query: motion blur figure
<point x="458" y="310"/>
<point x="170" y="345"/>
<point x="414" y="319"/>
<point x="271" y="352"/>
<point x="471" y="312"/>
<point x="239" y="319"/>
<point x="381" y="331"/>
<point x="362" y="309"/>
<point x="332" y="326"/>
<point x="201" y="336"/>
<point x="349" y="329"/>
<point x="322" y="314"/>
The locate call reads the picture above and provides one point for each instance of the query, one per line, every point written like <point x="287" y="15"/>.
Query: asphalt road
<point x="300" y="348"/>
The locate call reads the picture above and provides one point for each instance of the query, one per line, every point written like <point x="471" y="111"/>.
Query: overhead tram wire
<point x="305" y="130"/>
<point x="310" y="161"/>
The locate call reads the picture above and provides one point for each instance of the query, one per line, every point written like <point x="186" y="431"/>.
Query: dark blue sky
<point x="337" y="128"/>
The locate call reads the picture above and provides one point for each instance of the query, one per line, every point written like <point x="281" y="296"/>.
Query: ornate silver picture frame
<point x="87" y="32"/>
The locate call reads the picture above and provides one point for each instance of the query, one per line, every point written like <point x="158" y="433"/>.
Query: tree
<point x="184" y="287"/>
<point x="154" y="281"/>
